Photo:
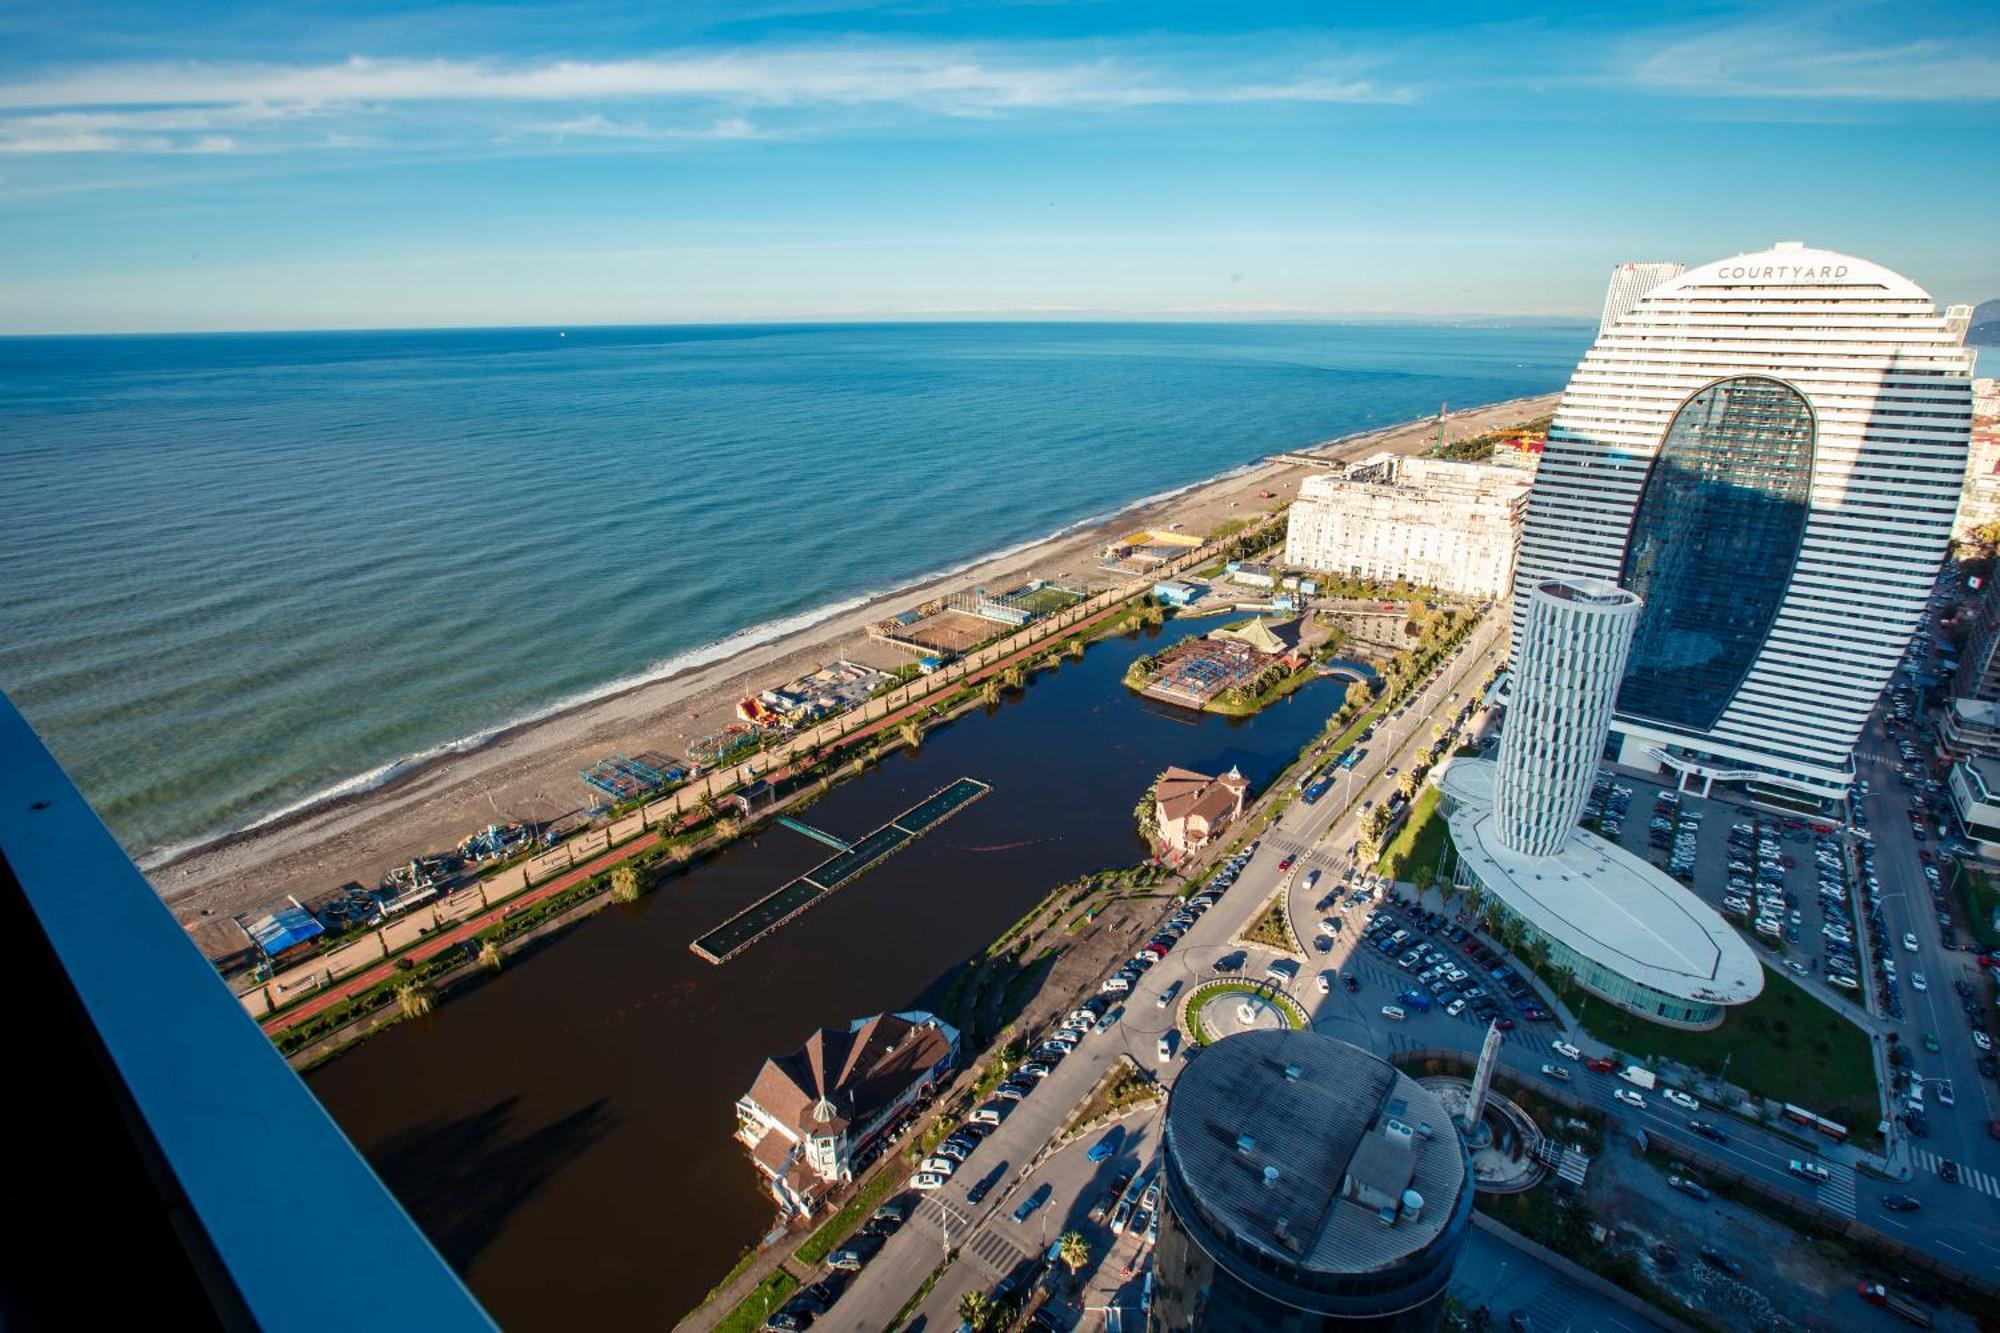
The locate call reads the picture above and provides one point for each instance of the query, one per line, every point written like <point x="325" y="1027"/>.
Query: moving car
<point x="1809" y="1171"/>
<point x="1708" y="1130"/>
<point x="1567" y="1051"/>
<point x="1900" y="1203"/>
<point x="1104" y="1147"/>
<point x="1556" y="1072"/>
<point x="1630" y="1098"/>
<point x="1681" y="1099"/>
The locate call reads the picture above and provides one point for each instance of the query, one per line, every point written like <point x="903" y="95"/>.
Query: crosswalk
<point x="1836" y="1192"/>
<point x="1970" y="1177"/>
<point x="996" y="1252"/>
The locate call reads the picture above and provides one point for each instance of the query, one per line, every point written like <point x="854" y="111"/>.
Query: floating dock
<point x="765" y="915"/>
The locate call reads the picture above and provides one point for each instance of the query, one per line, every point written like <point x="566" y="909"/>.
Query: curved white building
<point x="1569" y="660"/>
<point x="1769" y="450"/>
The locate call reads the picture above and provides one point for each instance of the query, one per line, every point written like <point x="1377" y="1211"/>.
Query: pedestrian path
<point x="1836" y="1192"/>
<point x="1970" y="1177"/>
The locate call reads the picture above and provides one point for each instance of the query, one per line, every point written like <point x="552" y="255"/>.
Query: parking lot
<point x="1786" y="880"/>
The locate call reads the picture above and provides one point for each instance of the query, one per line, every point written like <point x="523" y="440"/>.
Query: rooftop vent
<point x="1270" y="1177"/>
<point x="1292" y="1073"/>
<point x="1413" y="1205"/>
<point x="1424" y="1130"/>
<point x="1398" y="1132"/>
<point x="1386" y="1215"/>
<point x="1244" y="1143"/>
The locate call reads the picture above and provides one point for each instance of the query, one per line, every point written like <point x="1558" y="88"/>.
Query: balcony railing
<point x="164" y="1156"/>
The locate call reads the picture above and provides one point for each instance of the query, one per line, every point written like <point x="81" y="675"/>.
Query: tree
<point x="977" y="1311"/>
<point x="989" y="693"/>
<point x="1073" y="1251"/>
<point x="1408" y="783"/>
<point x="415" y="998"/>
<point x="489" y="954"/>
<point x="1013" y="678"/>
<point x="912" y="732"/>
<point x="624" y="884"/>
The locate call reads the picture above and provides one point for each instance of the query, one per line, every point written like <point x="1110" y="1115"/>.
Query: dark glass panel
<point x="1713" y="546"/>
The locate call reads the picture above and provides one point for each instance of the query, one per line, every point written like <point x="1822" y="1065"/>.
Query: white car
<point x="1167" y="995"/>
<point x="1917" y="981"/>
<point x="1455" y="1008"/>
<point x="1556" y="1072"/>
<point x="1630" y="1098"/>
<point x="1565" y="1050"/>
<point x="1680" y="1099"/>
<point x="1909" y="941"/>
<point x="926" y="1180"/>
<point x="938" y="1166"/>
<point x="1809" y="1170"/>
<point x="1167" y="1047"/>
<point x="1982" y="1041"/>
<point x="1325" y="983"/>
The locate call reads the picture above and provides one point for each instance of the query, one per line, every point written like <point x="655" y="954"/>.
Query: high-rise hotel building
<point x="1769" y="451"/>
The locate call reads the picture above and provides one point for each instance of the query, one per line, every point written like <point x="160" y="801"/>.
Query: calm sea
<point x="240" y="571"/>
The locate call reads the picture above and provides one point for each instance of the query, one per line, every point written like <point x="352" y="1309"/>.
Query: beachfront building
<point x="1769" y="451"/>
<point x="1427" y="521"/>
<point x="1190" y="808"/>
<point x="811" y="1116"/>
<point x="1975" y="795"/>
<point x="1624" y="929"/>
<point x="1979" y="505"/>
<point x="1307" y="1184"/>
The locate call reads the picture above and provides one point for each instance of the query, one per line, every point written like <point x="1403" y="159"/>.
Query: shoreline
<point x="358" y="827"/>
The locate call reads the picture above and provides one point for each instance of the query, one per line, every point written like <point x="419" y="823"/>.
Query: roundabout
<point x="1219" y="1009"/>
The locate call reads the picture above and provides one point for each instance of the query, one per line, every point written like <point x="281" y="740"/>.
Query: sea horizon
<point x="362" y="549"/>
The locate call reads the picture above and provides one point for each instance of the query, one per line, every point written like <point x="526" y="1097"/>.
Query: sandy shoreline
<point x="529" y="771"/>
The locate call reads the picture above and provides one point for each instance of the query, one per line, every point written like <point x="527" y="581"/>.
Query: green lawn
<point x="1422" y="841"/>
<point x="1235" y="990"/>
<point x="1981" y="898"/>
<point x="750" y="1313"/>
<point x="1784" y="1045"/>
<point x="835" y="1229"/>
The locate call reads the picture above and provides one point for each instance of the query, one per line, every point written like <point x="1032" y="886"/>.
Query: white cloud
<point x="1794" y="60"/>
<point x="948" y="79"/>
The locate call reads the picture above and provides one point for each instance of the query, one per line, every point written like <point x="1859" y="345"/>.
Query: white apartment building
<point x="1448" y="525"/>
<point x="1980" y="504"/>
<point x="1769" y="450"/>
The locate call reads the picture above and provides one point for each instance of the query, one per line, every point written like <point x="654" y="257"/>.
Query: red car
<point x="1504" y="1024"/>
<point x="1599" y="1065"/>
<point x="1924" y="856"/>
<point x="1285" y="864"/>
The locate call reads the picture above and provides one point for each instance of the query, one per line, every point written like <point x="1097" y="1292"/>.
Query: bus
<point x="1316" y="789"/>
<point x="1799" y="1115"/>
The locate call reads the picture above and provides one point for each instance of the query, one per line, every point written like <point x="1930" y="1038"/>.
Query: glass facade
<point x="1714" y="542"/>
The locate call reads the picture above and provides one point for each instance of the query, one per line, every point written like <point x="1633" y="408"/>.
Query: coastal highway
<point x="987" y="1235"/>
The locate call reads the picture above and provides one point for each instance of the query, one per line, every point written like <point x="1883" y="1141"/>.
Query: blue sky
<point x="313" y="165"/>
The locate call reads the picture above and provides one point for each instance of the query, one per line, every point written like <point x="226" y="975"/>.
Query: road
<point x="1959" y="1223"/>
<point x="993" y="1241"/>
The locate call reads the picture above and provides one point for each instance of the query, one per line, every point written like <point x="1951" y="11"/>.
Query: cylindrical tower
<point x="1567" y="668"/>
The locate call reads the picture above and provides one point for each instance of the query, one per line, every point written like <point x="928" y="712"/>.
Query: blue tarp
<point x="284" y="929"/>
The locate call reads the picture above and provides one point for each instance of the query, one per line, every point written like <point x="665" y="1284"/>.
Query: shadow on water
<point x="569" y="1222"/>
<point x="465" y="1178"/>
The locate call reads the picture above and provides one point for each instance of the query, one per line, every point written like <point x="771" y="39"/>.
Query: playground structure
<point x="623" y="777"/>
<point x="853" y="860"/>
<point x="834" y="688"/>
<point x="495" y="842"/>
<point x="1145" y="551"/>
<point x="718" y="746"/>
<point x="961" y="622"/>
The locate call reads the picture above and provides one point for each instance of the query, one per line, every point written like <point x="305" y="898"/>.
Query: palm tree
<point x="624" y="884"/>
<point x="989" y="693"/>
<point x="1073" y="1251"/>
<point x="489" y="954"/>
<point x="1074" y="648"/>
<point x="912" y="732"/>
<point x="1013" y="678"/>
<point x="414" y="998"/>
<point x="976" y="1311"/>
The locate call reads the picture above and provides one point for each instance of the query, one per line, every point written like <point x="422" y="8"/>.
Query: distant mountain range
<point x="1985" y="328"/>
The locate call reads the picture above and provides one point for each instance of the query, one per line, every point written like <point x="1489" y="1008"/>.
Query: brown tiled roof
<point x="1182" y="793"/>
<point x="855" y="1073"/>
